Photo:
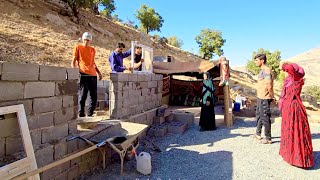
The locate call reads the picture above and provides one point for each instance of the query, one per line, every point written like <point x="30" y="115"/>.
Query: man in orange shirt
<point x="83" y="56"/>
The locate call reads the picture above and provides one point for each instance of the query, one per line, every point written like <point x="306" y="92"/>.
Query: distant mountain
<point x="310" y="62"/>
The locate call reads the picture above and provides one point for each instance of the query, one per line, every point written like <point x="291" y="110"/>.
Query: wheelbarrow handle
<point x="102" y="143"/>
<point x="72" y="138"/>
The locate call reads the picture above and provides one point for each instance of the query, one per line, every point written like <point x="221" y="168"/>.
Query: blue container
<point x="236" y="106"/>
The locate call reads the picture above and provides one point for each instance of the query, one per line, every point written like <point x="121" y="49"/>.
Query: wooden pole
<point x="227" y="114"/>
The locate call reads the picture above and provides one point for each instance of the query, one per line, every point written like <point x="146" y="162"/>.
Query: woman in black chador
<point x="207" y="116"/>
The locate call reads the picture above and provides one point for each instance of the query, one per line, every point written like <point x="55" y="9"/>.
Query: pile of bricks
<point x="50" y="103"/>
<point x="168" y="121"/>
<point x="131" y="94"/>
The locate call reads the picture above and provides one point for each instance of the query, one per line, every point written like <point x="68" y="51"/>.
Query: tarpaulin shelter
<point x="188" y="92"/>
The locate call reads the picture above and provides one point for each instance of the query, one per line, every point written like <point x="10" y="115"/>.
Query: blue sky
<point x="289" y="26"/>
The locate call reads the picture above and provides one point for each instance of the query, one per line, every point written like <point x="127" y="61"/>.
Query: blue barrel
<point x="236" y="106"/>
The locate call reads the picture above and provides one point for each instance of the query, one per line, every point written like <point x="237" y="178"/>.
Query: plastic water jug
<point x="144" y="163"/>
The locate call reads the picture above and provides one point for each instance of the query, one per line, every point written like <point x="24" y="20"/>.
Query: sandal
<point x="256" y="136"/>
<point x="265" y="141"/>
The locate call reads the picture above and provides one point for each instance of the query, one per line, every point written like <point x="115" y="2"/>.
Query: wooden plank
<point x="56" y="163"/>
<point x="26" y="164"/>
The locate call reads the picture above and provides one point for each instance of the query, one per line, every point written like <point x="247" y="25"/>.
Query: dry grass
<point x="35" y="33"/>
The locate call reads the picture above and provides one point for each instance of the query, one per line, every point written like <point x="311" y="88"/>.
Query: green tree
<point x="108" y="7"/>
<point x="149" y="19"/>
<point x="313" y="91"/>
<point x="273" y="61"/>
<point x="174" y="41"/>
<point x="116" y="18"/>
<point x="75" y="5"/>
<point x="210" y="43"/>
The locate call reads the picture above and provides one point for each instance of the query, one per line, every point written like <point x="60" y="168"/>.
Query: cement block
<point x="125" y="94"/>
<point x="127" y="86"/>
<point x="160" y="131"/>
<point x="14" y="145"/>
<point x="169" y="118"/>
<point x="115" y="95"/>
<point x="44" y="156"/>
<point x="41" y="105"/>
<point x="73" y="172"/>
<point x="73" y="127"/>
<point x="1" y="68"/>
<point x="62" y="176"/>
<point x="154" y="97"/>
<point x="51" y="173"/>
<point x="60" y="150"/>
<point x="119" y="77"/>
<point x="11" y="91"/>
<point x="68" y="101"/>
<point x="159" y="77"/>
<point x="133" y="77"/>
<point x="159" y="120"/>
<point x="11" y="126"/>
<point x="2" y="144"/>
<point x="184" y="117"/>
<point x="177" y="127"/>
<point x="39" y="89"/>
<point x="141" y="99"/>
<point x="51" y="73"/>
<point x="148" y="77"/>
<point x="126" y="103"/>
<point x="40" y="120"/>
<point x="116" y="86"/>
<point x="19" y="72"/>
<point x="153" y="77"/>
<point x="160" y="84"/>
<point x="73" y="73"/>
<point x="67" y="87"/>
<point x="140" y="108"/>
<point x="152" y="84"/>
<point x="115" y="104"/>
<point x="144" y="85"/>
<point x="26" y="103"/>
<point x="101" y="90"/>
<point x="134" y="100"/>
<point x="36" y="137"/>
<point x="65" y="115"/>
<point x="132" y="110"/>
<point x="145" y="92"/>
<point x="54" y="133"/>
<point x="141" y="77"/>
<point x="72" y="146"/>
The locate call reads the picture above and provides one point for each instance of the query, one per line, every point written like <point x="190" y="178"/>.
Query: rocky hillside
<point x="310" y="62"/>
<point x="44" y="32"/>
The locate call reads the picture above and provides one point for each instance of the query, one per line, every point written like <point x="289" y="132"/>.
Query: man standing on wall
<point x="138" y="59"/>
<point x="116" y="59"/>
<point x="265" y="96"/>
<point x="83" y="56"/>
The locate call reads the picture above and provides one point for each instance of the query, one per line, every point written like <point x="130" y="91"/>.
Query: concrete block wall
<point x="131" y="94"/>
<point x="50" y="103"/>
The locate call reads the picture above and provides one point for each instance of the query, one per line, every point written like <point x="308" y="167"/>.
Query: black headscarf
<point x="208" y="75"/>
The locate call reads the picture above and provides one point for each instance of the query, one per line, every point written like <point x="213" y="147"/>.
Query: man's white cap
<point x="87" y="36"/>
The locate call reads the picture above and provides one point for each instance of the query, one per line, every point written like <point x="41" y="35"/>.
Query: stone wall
<point x="131" y="94"/>
<point x="50" y="103"/>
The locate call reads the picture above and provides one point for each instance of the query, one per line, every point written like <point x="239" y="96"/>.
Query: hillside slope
<point x="42" y="32"/>
<point x="310" y="62"/>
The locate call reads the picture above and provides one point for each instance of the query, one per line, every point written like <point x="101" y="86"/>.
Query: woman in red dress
<point x="296" y="144"/>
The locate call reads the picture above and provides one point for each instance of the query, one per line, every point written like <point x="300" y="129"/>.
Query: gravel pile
<point x="221" y="154"/>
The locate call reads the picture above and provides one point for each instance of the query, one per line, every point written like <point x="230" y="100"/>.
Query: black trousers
<point x="87" y="84"/>
<point x="263" y="115"/>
